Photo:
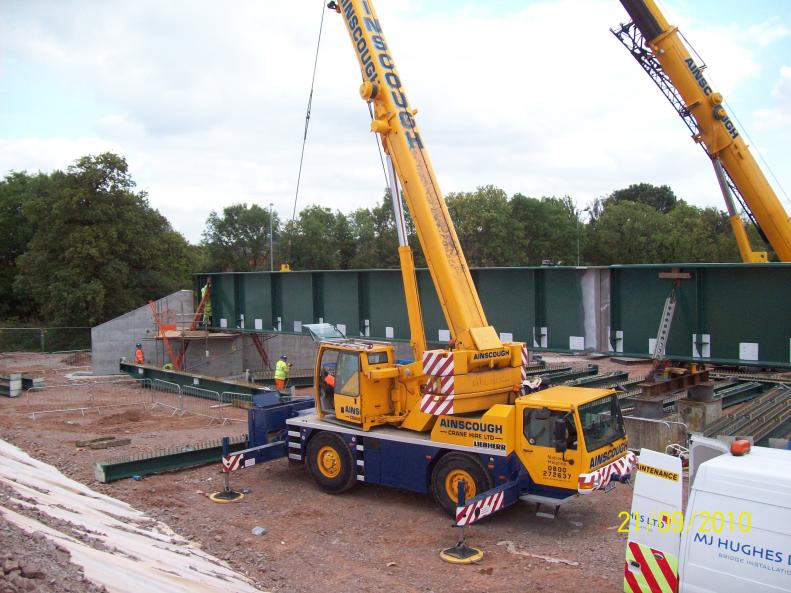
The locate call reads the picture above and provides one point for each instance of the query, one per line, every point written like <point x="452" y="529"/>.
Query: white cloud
<point x="208" y="104"/>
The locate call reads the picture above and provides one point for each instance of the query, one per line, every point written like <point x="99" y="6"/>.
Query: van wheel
<point x="331" y="463"/>
<point x="449" y="471"/>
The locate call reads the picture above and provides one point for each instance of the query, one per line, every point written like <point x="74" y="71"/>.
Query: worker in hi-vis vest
<point x="140" y="358"/>
<point x="281" y="371"/>
<point x="207" y="303"/>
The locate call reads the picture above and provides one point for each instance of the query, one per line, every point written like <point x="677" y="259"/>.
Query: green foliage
<point x="485" y="226"/>
<point x="375" y="236"/>
<point x="549" y="230"/>
<point x="239" y="239"/>
<point x="311" y="240"/>
<point x="98" y="249"/>
<point x="16" y="230"/>
<point x="627" y="233"/>
<point x="661" y="198"/>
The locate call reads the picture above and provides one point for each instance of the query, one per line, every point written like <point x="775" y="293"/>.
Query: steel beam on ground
<point x="165" y="460"/>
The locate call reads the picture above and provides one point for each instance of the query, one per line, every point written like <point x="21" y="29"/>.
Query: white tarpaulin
<point x="127" y="551"/>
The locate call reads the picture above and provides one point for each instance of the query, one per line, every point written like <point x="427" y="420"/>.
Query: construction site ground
<point x="369" y="539"/>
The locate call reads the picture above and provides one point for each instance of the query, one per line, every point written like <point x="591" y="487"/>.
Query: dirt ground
<point x="369" y="539"/>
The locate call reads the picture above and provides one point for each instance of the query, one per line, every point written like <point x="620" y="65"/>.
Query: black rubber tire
<point x="462" y="461"/>
<point x="346" y="477"/>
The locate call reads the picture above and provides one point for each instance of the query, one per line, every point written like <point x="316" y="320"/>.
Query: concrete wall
<point x="232" y="356"/>
<point x="217" y="356"/>
<point x="117" y="338"/>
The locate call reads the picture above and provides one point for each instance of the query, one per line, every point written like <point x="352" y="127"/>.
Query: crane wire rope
<point x="307" y="118"/>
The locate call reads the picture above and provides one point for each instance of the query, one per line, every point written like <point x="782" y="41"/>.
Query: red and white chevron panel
<point x="525" y="361"/>
<point x="470" y="513"/>
<point x="438" y="363"/>
<point x="441" y="385"/>
<point x="601" y="477"/>
<point x="437" y="405"/>
<point x="232" y="462"/>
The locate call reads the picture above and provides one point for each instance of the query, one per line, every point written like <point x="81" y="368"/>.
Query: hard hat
<point x="283" y="357"/>
<point x="138" y="345"/>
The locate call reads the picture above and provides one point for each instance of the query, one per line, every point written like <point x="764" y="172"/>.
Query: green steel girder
<point x="165" y="460"/>
<point x="203" y="382"/>
<point x="742" y="309"/>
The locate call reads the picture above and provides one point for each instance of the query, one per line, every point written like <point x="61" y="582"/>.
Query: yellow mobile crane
<point x="660" y="50"/>
<point x="454" y="414"/>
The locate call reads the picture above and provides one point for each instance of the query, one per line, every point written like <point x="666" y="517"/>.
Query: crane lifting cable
<point x="307" y="115"/>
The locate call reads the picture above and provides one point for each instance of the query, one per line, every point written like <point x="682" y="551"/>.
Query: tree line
<point x="80" y="246"/>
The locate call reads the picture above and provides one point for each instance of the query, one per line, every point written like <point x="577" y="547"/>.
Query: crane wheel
<point x="331" y="463"/>
<point x="449" y="471"/>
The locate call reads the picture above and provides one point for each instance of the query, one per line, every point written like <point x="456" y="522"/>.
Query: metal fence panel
<point x="83" y="397"/>
<point x="44" y="339"/>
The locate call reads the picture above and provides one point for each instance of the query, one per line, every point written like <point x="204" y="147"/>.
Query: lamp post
<point x="588" y="210"/>
<point x="271" y="253"/>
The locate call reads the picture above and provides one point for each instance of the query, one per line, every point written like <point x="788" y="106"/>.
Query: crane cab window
<point x="377" y="357"/>
<point x="539" y="431"/>
<point x="347" y="379"/>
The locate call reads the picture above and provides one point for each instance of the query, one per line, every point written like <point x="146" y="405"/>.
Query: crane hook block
<point x="368" y="90"/>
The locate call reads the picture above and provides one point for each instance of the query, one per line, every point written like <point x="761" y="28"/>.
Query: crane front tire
<point x="449" y="471"/>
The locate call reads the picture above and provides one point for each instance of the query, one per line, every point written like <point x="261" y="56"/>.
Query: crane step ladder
<point x="664" y="326"/>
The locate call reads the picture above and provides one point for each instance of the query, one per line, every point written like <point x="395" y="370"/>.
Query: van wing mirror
<point x="560" y="435"/>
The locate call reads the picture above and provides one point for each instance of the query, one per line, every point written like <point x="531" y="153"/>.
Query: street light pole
<point x="271" y="253"/>
<point x="588" y="210"/>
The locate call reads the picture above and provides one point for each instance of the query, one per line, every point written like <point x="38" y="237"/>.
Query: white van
<point x="735" y="536"/>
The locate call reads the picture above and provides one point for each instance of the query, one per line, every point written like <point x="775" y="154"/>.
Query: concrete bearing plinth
<point x="697" y="415"/>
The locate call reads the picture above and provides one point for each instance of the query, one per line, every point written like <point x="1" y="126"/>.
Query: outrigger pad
<point x="461" y="553"/>
<point x="226" y="496"/>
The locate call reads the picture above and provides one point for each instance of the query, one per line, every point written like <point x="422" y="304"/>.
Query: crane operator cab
<point x="345" y="370"/>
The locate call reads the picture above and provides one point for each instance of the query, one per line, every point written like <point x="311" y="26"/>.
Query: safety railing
<point x="182" y="400"/>
<point x="81" y="397"/>
<point x="234" y="406"/>
<point x="165" y="394"/>
<point x="202" y="402"/>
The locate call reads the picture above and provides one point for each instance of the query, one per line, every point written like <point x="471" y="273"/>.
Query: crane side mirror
<point x="560" y="435"/>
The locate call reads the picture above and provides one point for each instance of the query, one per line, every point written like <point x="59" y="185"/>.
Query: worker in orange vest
<point x="329" y="384"/>
<point x="139" y="356"/>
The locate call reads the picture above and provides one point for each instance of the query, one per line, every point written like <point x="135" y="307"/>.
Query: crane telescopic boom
<point x="394" y="121"/>
<point x="664" y="56"/>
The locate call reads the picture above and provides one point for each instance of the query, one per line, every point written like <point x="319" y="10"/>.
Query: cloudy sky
<point x="206" y="100"/>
